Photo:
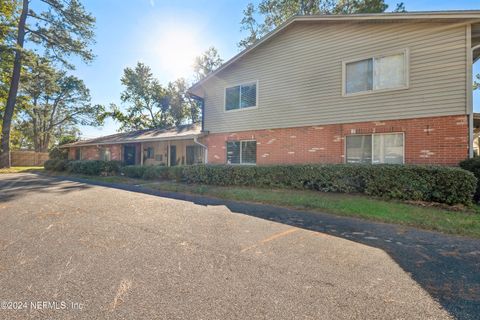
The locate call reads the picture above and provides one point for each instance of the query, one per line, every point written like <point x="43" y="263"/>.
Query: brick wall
<point x="438" y="140"/>
<point x="93" y="152"/>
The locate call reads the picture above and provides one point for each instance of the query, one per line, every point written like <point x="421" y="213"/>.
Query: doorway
<point x="173" y="156"/>
<point x="129" y="155"/>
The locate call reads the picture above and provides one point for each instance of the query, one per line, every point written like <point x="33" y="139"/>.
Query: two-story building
<point x="369" y="88"/>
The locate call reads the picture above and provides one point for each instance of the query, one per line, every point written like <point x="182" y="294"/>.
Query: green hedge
<point x="55" y="165"/>
<point x="405" y="182"/>
<point x="90" y="167"/>
<point x="154" y="172"/>
<point x="473" y="165"/>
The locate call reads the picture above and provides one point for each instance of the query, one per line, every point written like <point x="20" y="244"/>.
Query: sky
<point x="167" y="34"/>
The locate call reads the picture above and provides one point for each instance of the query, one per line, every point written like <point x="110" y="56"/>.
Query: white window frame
<point x="240" y="96"/>
<point x="405" y="52"/>
<point x="241" y="160"/>
<point x="373" y="134"/>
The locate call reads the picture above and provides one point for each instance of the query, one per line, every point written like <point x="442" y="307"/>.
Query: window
<point x="242" y="152"/>
<point x="241" y="97"/>
<point x="78" y="154"/>
<point x="149" y="153"/>
<point x="375" y="148"/>
<point x="194" y="154"/>
<point x="105" y="154"/>
<point x="377" y="73"/>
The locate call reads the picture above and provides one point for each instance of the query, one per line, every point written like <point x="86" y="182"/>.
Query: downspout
<point x="195" y="139"/>
<point x="470" y="88"/>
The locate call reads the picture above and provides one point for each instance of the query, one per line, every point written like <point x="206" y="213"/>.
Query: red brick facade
<point x="437" y="140"/>
<point x="93" y="152"/>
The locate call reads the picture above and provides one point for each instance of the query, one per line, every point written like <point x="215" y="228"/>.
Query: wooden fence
<point x="27" y="158"/>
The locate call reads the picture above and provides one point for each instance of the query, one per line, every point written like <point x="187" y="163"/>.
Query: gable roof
<point x="390" y="16"/>
<point x="188" y="131"/>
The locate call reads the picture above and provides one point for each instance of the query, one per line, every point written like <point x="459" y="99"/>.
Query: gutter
<point x="128" y="141"/>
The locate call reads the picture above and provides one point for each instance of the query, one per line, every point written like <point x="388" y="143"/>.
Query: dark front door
<point x="129" y="155"/>
<point x="173" y="155"/>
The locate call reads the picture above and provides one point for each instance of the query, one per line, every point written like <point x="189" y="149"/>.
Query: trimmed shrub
<point x="405" y="182"/>
<point x="473" y="165"/>
<point x="55" y="165"/>
<point x="133" y="171"/>
<point x="154" y="172"/>
<point x="90" y="167"/>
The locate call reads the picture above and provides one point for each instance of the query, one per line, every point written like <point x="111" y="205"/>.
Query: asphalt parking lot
<point x="70" y="250"/>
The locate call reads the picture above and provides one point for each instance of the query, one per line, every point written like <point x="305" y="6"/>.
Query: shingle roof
<point x="181" y="132"/>
<point x="386" y="16"/>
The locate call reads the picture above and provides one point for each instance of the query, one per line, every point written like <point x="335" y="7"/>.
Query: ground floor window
<point x="148" y="153"/>
<point x="194" y="154"/>
<point x="242" y="152"/>
<point x="78" y="154"/>
<point x="105" y="154"/>
<point x="375" y="148"/>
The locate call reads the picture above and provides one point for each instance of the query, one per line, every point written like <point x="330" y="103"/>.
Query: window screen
<point x="233" y="152"/>
<point x="379" y="73"/>
<point x="359" y="76"/>
<point x="249" y="152"/>
<point x="239" y="97"/>
<point x="359" y="149"/>
<point x="389" y="72"/>
<point x="388" y="148"/>
<point x="105" y="154"/>
<point x="241" y="152"/>
<point x="377" y="148"/>
<point x="232" y="98"/>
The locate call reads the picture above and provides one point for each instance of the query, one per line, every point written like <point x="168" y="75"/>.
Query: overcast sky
<point x="167" y="35"/>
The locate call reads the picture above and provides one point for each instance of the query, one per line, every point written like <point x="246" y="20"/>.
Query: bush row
<point x="405" y="182"/>
<point x="154" y="172"/>
<point x="90" y="167"/>
<point x="473" y="165"/>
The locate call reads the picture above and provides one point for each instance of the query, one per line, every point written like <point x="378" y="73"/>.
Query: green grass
<point x="465" y="222"/>
<point x="20" y="169"/>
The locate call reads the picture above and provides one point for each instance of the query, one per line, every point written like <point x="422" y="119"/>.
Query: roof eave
<point x="88" y="144"/>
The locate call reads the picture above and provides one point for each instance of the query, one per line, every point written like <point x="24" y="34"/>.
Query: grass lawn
<point x="466" y="222"/>
<point x="20" y="169"/>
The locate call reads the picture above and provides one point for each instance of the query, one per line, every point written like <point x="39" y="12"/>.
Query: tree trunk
<point x="12" y="93"/>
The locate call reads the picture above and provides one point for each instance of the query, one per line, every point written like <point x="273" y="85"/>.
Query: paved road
<point x="117" y="254"/>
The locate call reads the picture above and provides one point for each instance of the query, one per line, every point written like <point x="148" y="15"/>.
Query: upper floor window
<point x="241" y="96"/>
<point x="378" y="73"/>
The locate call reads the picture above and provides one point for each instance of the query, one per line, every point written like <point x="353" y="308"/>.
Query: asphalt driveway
<point x="70" y="250"/>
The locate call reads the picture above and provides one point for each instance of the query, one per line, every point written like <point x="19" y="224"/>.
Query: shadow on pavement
<point x="447" y="267"/>
<point x="13" y="186"/>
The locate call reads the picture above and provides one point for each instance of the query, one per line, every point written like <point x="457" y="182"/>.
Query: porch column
<point x="168" y="154"/>
<point x="141" y="153"/>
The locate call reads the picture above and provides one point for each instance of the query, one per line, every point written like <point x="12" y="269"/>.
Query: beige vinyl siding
<point x="299" y="73"/>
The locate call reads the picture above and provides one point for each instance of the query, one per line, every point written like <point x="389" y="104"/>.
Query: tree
<point x="149" y="105"/>
<point x="62" y="29"/>
<point x="146" y="99"/>
<point x="275" y="12"/>
<point x="400" y="8"/>
<point x="54" y="104"/>
<point x="206" y="63"/>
